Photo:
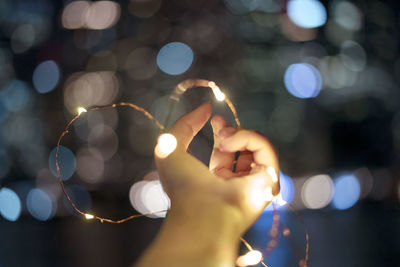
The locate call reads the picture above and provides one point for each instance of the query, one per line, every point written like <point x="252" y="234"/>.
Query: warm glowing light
<point x="279" y="200"/>
<point x="102" y="15"/>
<point x="268" y="194"/>
<point x="272" y="173"/>
<point x="252" y="257"/>
<point x="217" y="92"/>
<point x="257" y="193"/>
<point x="166" y="145"/>
<point x="81" y="110"/>
<point x="89" y="216"/>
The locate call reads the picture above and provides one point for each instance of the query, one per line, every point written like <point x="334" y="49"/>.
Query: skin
<point x="211" y="207"/>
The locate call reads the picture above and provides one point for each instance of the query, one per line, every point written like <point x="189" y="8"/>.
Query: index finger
<point x="186" y="127"/>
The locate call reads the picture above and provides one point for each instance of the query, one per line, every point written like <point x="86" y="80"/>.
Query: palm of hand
<point x="184" y="177"/>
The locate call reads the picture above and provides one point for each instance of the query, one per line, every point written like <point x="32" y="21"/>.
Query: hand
<point x="186" y="180"/>
<point x="210" y="207"/>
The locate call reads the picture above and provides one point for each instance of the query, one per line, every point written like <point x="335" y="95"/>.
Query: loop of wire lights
<point x="166" y="144"/>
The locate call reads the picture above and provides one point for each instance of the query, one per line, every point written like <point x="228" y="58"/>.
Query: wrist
<point x="198" y="228"/>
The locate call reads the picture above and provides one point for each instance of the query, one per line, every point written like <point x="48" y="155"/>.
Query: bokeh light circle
<point x="15" y="96"/>
<point x="154" y="198"/>
<point x="10" y="204"/>
<point x="175" y="58"/>
<point x="303" y="80"/>
<point x="102" y="15"/>
<point x="46" y="76"/>
<point x="149" y="196"/>
<point x="347" y="15"/>
<point x="347" y="192"/>
<point x="287" y="187"/>
<point x="40" y="204"/>
<point x="317" y="191"/>
<point x="66" y="161"/>
<point x="74" y="14"/>
<point x="134" y="196"/>
<point x="307" y="13"/>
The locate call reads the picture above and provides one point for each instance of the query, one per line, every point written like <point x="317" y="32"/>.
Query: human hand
<point x="210" y="207"/>
<point x="189" y="183"/>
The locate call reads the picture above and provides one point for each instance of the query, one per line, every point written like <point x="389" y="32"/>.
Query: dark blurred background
<point x="319" y="78"/>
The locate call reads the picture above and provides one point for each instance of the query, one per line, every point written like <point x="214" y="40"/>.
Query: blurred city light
<point x="90" y="89"/>
<point x="135" y="197"/>
<point x="287" y="187"/>
<point x="303" y="80"/>
<point x="353" y="56"/>
<point x="347" y="192"/>
<point x="317" y="191"/>
<point x="102" y="15"/>
<point x="66" y="162"/>
<point x="40" y="204"/>
<point x="90" y="165"/>
<point x="74" y="14"/>
<point x="15" y="96"/>
<point x="155" y="199"/>
<point x="10" y="204"/>
<point x="103" y="139"/>
<point x="347" y="15"/>
<point x="335" y="74"/>
<point x="97" y="15"/>
<point x="46" y="76"/>
<point x="175" y="58"/>
<point x="306" y="13"/>
<point x="23" y="38"/>
<point x="149" y="196"/>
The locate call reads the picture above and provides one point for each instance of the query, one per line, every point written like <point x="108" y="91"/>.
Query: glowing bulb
<point x="268" y="196"/>
<point x="89" y="216"/>
<point x="217" y="92"/>
<point x="279" y="200"/>
<point x="166" y="145"/>
<point x="272" y="173"/>
<point x="252" y="257"/>
<point x="81" y="110"/>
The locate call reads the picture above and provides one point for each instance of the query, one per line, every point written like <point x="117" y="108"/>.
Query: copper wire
<point x="178" y="91"/>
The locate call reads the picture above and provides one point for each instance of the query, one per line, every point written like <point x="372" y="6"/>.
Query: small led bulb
<point x="252" y="257"/>
<point x="217" y="92"/>
<point x="279" y="200"/>
<point x="268" y="194"/>
<point x="166" y="145"/>
<point x="81" y="110"/>
<point x="89" y="216"/>
<point x="272" y="173"/>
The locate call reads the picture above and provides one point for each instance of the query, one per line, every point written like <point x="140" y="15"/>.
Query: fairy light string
<point x="252" y="257"/>
<point x="81" y="111"/>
